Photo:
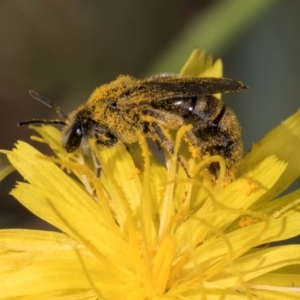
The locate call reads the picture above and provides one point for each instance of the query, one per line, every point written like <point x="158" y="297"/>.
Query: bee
<point x="156" y="105"/>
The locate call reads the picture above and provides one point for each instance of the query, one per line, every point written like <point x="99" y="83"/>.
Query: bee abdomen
<point x="222" y="137"/>
<point x="232" y="155"/>
<point x="219" y="117"/>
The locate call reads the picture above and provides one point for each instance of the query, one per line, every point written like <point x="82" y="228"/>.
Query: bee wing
<point x="170" y="87"/>
<point x="193" y="85"/>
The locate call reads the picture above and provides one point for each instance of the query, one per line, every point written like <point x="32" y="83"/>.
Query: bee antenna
<point x="36" y="96"/>
<point x="41" y="121"/>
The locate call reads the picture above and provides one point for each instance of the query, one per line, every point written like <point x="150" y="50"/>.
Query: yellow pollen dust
<point x="248" y="187"/>
<point x="247" y="221"/>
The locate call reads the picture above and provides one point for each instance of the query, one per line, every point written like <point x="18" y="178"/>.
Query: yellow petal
<point x="56" y="198"/>
<point x="118" y="169"/>
<point x="260" y="262"/>
<point x="285" y="205"/>
<point x="51" y="135"/>
<point x="62" y="272"/>
<point x="35" y="240"/>
<point x="201" y="66"/>
<point x="222" y="208"/>
<point x="5" y="167"/>
<point x="281" y="284"/>
<point x="284" y="142"/>
<point x="238" y="242"/>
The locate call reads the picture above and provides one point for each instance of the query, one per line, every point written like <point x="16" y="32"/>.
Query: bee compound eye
<point x="79" y="132"/>
<point x="74" y="139"/>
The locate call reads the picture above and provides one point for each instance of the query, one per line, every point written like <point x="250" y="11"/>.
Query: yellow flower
<point x="144" y="231"/>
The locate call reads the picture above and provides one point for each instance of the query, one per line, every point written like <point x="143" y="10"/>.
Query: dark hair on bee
<point x="36" y="96"/>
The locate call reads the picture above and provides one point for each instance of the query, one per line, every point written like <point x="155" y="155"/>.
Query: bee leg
<point x="168" y="145"/>
<point x="214" y="167"/>
<point x="170" y="121"/>
<point x="97" y="165"/>
<point x="193" y="141"/>
<point x="110" y="140"/>
<point x="85" y="180"/>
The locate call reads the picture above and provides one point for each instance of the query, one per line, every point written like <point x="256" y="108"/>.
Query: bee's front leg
<point x="168" y="144"/>
<point x="97" y="165"/>
<point x="103" y="139"/>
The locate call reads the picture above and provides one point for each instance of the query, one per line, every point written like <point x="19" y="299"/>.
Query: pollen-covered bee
<point x="160" y="103"/>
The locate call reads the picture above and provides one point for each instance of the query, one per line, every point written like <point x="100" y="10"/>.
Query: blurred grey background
<point x="64" y="49"/>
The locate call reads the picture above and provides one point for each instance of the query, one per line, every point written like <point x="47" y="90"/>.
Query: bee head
<point x="81" y="126"/>
<point x="76" y="130"/>
<point x="75" y="126"/>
